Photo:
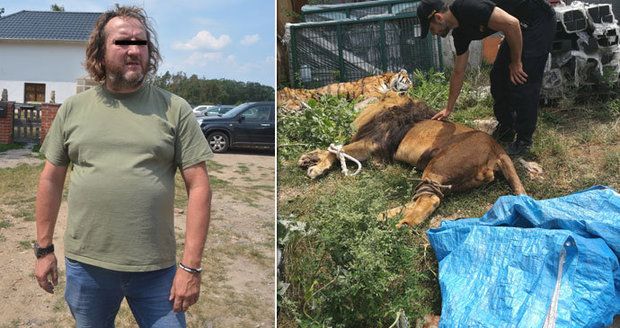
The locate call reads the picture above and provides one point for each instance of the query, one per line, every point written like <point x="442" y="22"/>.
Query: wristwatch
<point x="40" y="252"/>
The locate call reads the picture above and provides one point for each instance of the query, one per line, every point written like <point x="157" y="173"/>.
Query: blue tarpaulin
<point x="532" y="263"/>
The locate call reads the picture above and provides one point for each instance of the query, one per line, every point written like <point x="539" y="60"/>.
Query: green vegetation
<point x="5" y="147"/>
<point x="5" y="224"/>
<point x="328" y="121"/>
<point x="26" y="244"/>
<point x="200" y="91"/>
<point x="344" y="268"/>
<point x="19" y="182"/>
<point x="242" y="169"/>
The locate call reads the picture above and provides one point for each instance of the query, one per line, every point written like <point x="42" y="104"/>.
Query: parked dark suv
<point x="249" y="124"/>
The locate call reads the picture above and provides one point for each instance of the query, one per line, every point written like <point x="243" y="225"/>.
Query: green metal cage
<point x="346" y="50"/>
<point x="327" y="12"/>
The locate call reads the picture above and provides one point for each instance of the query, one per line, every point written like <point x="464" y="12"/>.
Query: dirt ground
<point x="238" y="282"/>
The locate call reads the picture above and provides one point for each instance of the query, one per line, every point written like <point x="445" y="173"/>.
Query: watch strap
<point x="40" y="252"/>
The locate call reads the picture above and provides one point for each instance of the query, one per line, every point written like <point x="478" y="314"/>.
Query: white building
<point x="44" y="51"/>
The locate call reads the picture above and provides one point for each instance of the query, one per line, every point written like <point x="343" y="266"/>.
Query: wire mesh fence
<point x="327" y="12"/>
<point x="344" y="50"/>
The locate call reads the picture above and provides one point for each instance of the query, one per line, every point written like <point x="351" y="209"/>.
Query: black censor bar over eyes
<point x="130" y="42"/>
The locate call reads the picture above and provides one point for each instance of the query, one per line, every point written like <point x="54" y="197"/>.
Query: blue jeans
<point x="94" y="296"/>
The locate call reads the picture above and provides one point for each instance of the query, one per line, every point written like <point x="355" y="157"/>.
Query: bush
<point x="327" y="121"/>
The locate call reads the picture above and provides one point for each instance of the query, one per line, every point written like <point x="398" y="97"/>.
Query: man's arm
<point x="49" y="195"/>
<point x="509" y="25"/>
<point x="186" y="286"/>
<point x="456" y="83"/>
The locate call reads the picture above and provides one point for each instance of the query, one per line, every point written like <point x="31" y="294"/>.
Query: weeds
<point x="215" y="166"/>
<point x="611" y="162"/>
<point x="25" y="244"/>
<point x="27" y="213"/>
<point x="242" y="168"/>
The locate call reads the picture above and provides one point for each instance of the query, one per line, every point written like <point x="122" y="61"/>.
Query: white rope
<point x="342" y="156"/>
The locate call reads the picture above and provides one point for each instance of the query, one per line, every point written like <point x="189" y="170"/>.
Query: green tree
<point x="200" y="91"/>
<point x="56" y="7"/>
<point x="1" y="11"/>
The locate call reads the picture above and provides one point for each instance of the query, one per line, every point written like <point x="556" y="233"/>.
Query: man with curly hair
<point x="124" y="140"/>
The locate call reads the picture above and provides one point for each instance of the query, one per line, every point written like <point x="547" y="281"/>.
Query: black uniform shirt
<point x="473" y="17"/>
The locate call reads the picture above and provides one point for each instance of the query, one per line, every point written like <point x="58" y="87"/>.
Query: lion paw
<point x="391" y="213"/>
<point x="308" y="159"/>
<point x="315" y="171"/>
<point x="404" y="222"/>
<point x="382" y="216"/>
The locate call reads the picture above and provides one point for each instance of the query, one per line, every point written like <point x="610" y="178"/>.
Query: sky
<point x="214" y="39"/>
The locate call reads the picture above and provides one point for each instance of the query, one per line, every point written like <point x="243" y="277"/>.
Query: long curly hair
<point x="95" y="51"/>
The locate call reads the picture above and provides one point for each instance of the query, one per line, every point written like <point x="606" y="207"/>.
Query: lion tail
<point x="510" y="173"/>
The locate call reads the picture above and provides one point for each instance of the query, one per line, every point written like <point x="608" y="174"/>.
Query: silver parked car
<point x="199" y="110"/>
<point x="218" y="110"/>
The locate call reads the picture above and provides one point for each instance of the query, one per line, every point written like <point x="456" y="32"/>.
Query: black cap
<point x="426" y="10"/>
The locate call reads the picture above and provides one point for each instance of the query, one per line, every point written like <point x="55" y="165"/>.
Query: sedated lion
<point x="371" y="86"/>
<point x="452" y="156"/>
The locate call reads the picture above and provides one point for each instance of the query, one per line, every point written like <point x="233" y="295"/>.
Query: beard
<point x="120" y="78"/>
<point x="443" y="32"/>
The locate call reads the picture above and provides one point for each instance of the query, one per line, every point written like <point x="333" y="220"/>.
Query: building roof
<point x="47" y="25"/>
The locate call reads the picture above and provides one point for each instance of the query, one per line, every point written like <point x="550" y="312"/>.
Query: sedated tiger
<point x="291" y="100"/>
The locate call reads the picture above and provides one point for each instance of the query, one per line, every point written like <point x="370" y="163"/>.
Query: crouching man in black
<point x="516" y="77"/>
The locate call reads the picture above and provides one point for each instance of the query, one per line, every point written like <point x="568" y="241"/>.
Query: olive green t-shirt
<point x="125" y="149"/>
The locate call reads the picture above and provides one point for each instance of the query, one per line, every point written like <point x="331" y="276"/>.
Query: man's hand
<point x="442" y="115"/>
<point x="185" y="290"/>
<point x="517" y="75"/>
<point x="46" y="272"/>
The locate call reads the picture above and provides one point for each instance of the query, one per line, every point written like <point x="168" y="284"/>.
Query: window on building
<point x="34" y="92"/>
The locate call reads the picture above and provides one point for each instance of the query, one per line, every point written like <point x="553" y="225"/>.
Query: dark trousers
<point x="516" y="105"/>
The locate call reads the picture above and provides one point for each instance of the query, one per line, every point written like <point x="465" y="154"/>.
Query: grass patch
<point x="27" y="213"/>
<point x="5" y="224"/>
<point x="180" y="193"/>
<point x="217" y="183"/>
<point x="345" y="268"/>
<point x="15" y="323"/>
<point x="242" y="169"/>
<point x="215" y="166"/>
<point x="19" y="184"/>
<point x="5" y="147"/>
<point x="25" y="244"/>
<point x="60" y="305"/>
<point x="268" y="188"/>
<point x="611" y="161"/>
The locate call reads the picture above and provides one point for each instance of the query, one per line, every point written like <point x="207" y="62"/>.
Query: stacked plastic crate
<point x="586" y="49"/>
